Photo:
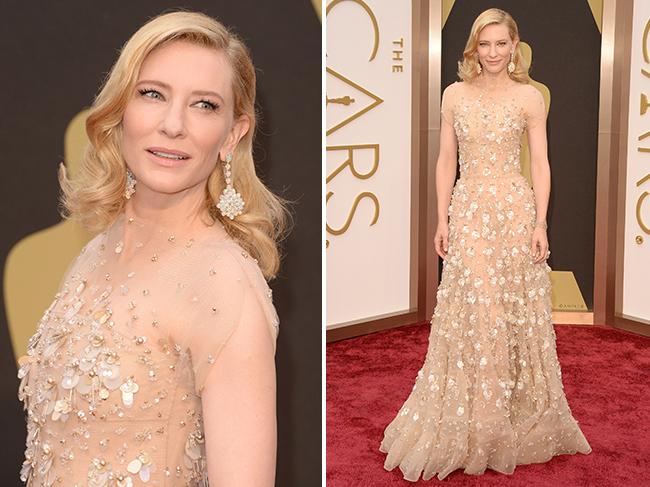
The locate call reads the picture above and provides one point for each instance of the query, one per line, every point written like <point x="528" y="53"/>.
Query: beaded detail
<point x="489" y="393"/>
<point x="113" y="376"/>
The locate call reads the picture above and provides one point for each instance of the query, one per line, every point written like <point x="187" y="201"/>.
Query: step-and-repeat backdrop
<point x="636" y="240"/>
<point x="368" y="159"/>
<point x="370" y="129"/>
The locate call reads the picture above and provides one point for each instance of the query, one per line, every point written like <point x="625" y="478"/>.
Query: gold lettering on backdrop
<point x="398" y="50"/>
<point x="349" y="162"/>
<point x="644" y="104"/>
<point x="644" y="47"/>
<point x="641" y="137"/>
<point x="371" y="15"/>
<point x="639" y="203"/>
<point x="348" y="221"/>
<point x="349" y="99"/>
<point x="358" y="113"/>
<point x="343" y="100"/>
<point x="644" y="100"/>
<point x="645" y="227"/>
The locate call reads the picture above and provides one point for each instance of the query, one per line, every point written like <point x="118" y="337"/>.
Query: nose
<point x="493" y="50"/>
<point x="172" y="123"/>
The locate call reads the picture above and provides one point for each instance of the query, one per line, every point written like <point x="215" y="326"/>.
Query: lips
<point x="165" y="153"/>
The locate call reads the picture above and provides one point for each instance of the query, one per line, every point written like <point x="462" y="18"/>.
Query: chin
<point x="164" y="185"/>
<point x="495" y="69"/>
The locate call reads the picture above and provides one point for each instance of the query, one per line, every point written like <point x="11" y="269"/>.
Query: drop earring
<point x="511" y="64"/>
<point x="231" y="203"/>
<point x="479" y="68"/>
<point x="130" y="184"/>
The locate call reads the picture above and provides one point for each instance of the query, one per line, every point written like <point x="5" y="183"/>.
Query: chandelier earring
<point x="479" y="68"/>
<point x="130" y="184"/>
<point x="511" y="64"/>
<point x="230" y="203"/>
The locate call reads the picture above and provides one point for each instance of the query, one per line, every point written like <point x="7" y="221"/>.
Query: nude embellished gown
<point x="489" y="394"/>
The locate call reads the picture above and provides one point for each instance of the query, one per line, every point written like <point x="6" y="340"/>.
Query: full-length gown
<point x="489" y="394"/>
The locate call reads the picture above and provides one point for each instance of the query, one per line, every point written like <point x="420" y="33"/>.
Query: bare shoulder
<point x="82" y="262"/>
<point x="454" y="87"/>
<point x="530" y="91"/>
<point x="240" y="266"/>
<point x="230" y="254"/>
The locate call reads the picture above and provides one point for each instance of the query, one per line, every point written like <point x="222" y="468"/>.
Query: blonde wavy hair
<point x="467" y="67"/>
<point x="95" y="196"/>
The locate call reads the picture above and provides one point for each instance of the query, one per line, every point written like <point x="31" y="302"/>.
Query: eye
<point x="207" y="105"/>
<point x="150" y="93"/>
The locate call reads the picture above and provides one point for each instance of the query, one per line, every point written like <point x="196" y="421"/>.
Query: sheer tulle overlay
<point x="490" y="393"/>
<point x="113" y="377"/>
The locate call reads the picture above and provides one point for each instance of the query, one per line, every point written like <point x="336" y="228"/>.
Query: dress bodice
<point x="113" y="377"/>
<point x="489" y="124"/>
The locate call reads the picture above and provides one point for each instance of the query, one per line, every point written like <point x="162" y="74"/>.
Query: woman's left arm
<point x="239" y="405"/>
<point x="540" y="173"/>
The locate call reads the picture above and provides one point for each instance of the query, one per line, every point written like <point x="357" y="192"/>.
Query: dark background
<point x="566" y="58"/>
<point x="53" y="58"/>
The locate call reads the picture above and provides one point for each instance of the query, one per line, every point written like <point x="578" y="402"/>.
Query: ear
<point x="240" y="127"/>
<point x="515" y="43"/>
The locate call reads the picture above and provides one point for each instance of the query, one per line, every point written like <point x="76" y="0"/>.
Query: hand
<point x="539" y="245"/>
<point x="441" y="240"/>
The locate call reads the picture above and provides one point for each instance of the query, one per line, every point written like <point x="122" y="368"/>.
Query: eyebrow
<point x="195" y="92"/>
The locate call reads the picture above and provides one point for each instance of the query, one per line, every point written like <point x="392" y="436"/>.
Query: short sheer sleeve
<point x="448" y="102"/>
<point x="534" y="107"/>
<point x="230" y="280"/>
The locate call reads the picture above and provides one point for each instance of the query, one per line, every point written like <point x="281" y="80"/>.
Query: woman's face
<point x="179" y="119"/>
<point x="494" y="48"/>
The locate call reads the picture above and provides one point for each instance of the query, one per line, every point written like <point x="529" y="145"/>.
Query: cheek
<point x="209" y="137"/>
<point x="135" y="124"/>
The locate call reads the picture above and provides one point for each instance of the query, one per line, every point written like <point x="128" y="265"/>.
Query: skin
<point x="493" y="52"/>
<point x="165" y="110"/>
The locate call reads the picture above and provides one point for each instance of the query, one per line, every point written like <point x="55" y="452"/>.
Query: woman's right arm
<point x="445" y="175"/>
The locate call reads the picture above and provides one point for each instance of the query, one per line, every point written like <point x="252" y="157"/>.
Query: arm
<point x="446" y="168"/>
<point x="239" y="406"/>
<point x="540" y="169"/>
<point x="541" y="175"/>
<point x="445" y="173"/>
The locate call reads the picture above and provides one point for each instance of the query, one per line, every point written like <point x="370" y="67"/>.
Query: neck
<point x="154" y="221"/>
<point x="183" y="211"/>
<point x="493" y="80"/>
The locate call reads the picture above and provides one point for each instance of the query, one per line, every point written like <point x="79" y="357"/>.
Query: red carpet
<point x="605" y="374"/>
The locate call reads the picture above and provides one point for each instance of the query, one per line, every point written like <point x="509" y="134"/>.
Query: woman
<point x="155" y="362"/>
<point x="489" y="394"/>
